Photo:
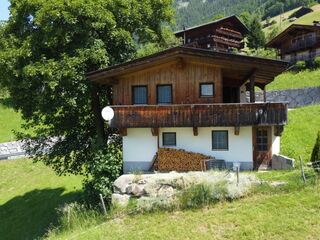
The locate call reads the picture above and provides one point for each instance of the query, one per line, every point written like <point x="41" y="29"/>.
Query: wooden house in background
<point x="301" y="12"/>
<point x="195" y="99"/>
<point x="223" y="34"/>
<point x="298" y="43"/>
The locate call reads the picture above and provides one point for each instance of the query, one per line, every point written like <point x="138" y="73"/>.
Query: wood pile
<point x="169" y="159"/>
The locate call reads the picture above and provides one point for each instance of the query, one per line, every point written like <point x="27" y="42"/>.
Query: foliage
<point x="300" y="65"/>
<point x="217" y="17"/>
<point x="300" y="134"/>
<point x="48" y="48"/>
<point x="30" y="193"/>
<point x="275" y="30"/>
<point x="260" y="52"/>
<point x="315" y="156"/>
<point x="316" y="62"/>
<point x="105" y="167"/>
<point x="256" y="37"/>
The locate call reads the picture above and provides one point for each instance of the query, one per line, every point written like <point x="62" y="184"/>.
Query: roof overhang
<point x="290" y="31"/>
<point x="234" y="66"/>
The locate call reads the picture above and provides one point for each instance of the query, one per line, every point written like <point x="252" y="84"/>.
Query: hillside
<point x="194" y="12"/>
<point x="306" y="19"/>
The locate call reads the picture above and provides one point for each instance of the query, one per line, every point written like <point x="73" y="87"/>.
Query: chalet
<point x="195" y="99"/>
<point x="223" y="34"/>
<point x="298" y="43"/>
<point x="301" y="12"/>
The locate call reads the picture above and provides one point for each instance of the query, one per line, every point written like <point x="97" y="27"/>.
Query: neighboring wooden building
<point x="298" y="43"/>
<point x="195" y="99"/>
<point x="301" y="12"/>
<point x="223" y="34"/>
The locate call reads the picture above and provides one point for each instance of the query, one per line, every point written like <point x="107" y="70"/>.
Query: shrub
<point x="316" y="62"/>
<point x="300" y="65"/>
<point x="315" y="156"/>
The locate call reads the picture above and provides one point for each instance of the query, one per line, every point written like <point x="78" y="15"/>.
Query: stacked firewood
<point x="169" y="159"/>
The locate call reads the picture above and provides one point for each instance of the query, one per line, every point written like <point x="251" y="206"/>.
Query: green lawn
<point x="300" y="134"/>
<point x="9" y="121"/>
<point x="302" y="79"/>
<point x="288" y="212"/>
<point x="29" y="196"/>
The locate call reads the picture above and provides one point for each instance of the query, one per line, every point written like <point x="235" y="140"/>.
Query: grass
<point x="300" y="134"/>
<point x="9" y="121"/>
<point x="306" y="19"/>
<point x="29" y="196"/>
<point x="290" y="80"/>
<point x="288" y="212"/>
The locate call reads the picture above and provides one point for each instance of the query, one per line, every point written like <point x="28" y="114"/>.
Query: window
<point x="140" y="95"/>
<point x="206" y="89"/>
<point x="220" y="140"/>
<point x="164" y="94"/>
<point x="262" y="140"/>
<point x="169" y="139"/>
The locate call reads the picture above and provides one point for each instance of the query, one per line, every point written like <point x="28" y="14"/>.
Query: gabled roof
<point x="234" y="66"/>
<point x="276" y="42"/>
<point x="244" y="29"/>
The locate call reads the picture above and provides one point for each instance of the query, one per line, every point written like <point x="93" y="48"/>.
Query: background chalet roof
<point x="234" y="66"/>
<point x="291" y="31"/>
<point x="234" y="18"/>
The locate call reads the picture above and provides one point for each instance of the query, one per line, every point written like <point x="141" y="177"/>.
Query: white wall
<point x="240" y="147"/>
<point x="275" y="143"/>
<point x="139" y="145"/>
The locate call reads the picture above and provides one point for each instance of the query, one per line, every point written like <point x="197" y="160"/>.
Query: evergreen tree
<point x="256" y="37"/>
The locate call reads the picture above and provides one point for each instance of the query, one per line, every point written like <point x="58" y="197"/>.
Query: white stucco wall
<point x="240" y="147"/>
<point x="275" y="143"/>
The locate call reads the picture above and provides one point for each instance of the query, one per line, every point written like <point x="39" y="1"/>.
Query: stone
<point x="280" y="162"/>
<point x="166" y="190"/>
<point x="120" y="199"/>
<point x="121" y="184"/>
<point x="276" y="184"/>
<point x="135" y="190"/>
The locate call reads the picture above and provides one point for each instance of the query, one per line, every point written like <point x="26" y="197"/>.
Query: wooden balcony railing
<point x="200" y="115"/>
<point x="299" y="45"/>
<point x="229" y="32"/>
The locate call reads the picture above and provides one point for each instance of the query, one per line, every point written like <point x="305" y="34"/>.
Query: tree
<point x="315" y="156"/>
<point x="49" y="46"/>
<point x="256" y="36"/>
<point x="217" y="17"/>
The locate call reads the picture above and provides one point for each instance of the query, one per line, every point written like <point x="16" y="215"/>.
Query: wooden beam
<point x="252" y="92"/>
<point x="237" y="131"/>
<point x="247" y="77"/>
<point x="123" y="132"/>
<point x="278" y="130"/>
<point x="195" y="131"/>
<point x="113" y="81"/>
<point x="155" y="132"/>
<point x="264" y="94"/>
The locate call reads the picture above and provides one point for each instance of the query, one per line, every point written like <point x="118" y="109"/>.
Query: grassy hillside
<point x="300" y="135"/>
<point x="302" y="79"/>
<point x="306" y="19"/>
<point x="9" y="121"/>
<point x="29" y="196"/>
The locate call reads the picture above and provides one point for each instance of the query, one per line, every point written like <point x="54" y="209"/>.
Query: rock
<point x="276" y="184"/>
<point x="142" y="181"/>
<point x="166" y="190"/>
<point x="121" y="184"/>
<point x="280" y="162"/>
<point x="135" y="190"/>
<point x="120" y="199"/>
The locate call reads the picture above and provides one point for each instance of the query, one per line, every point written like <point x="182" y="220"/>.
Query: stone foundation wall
<point x="296" y="98"/>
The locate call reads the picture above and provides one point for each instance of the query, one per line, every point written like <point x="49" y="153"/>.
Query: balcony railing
<point x="299" y="45"/>
<point x="227" y="41"/>
<point x="200" y="115"/>
<point x="229" y="33"/>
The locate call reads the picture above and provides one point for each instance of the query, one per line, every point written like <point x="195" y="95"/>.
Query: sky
<point x="4" y="12"/>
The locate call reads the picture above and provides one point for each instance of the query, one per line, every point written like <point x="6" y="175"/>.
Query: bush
<point x="315" y="156"/>
<point x="316" y="62"/>
<point x="301" y="65"/>
<point x="103" y="170"/>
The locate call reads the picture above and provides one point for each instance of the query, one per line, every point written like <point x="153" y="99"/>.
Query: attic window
<point x="206" y="89"/>
<point x="139" y="95"/>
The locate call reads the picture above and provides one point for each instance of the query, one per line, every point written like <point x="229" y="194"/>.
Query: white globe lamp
<point x="107" y="113"/>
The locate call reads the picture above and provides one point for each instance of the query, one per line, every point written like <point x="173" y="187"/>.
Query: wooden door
<point x="262" y="151"/>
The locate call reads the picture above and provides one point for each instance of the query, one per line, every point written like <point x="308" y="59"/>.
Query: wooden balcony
<point x="229" y="33"/>
<point x="200" y="115"/>
<point x="227" y="41"/>
<point x="299" y="46"/>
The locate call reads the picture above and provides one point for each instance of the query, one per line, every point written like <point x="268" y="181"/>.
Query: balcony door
<point x="262" y="151"/>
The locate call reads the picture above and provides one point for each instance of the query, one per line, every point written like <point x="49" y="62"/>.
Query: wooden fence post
<point x="103" y="205"/>
<point x="302" y="170"/>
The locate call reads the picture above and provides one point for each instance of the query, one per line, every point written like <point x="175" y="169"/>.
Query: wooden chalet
<point x="301" y="12"/>
<point x="195" y="99"/>
<point x="297" y="43"/>
<point x="223" y="34"/>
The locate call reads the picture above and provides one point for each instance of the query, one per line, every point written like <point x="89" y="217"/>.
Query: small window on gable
<point x="140" y="95"/>
<point x="220" y="140"/>
<point x="169" y="139"/>
<point x="206" y="89"/>
<point x="164" y="94"/>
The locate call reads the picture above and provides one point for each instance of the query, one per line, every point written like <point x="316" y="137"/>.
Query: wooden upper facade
<point x="220" y="35"/>
<point x="297" y="43"/>
<point x="191" y="87"/>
